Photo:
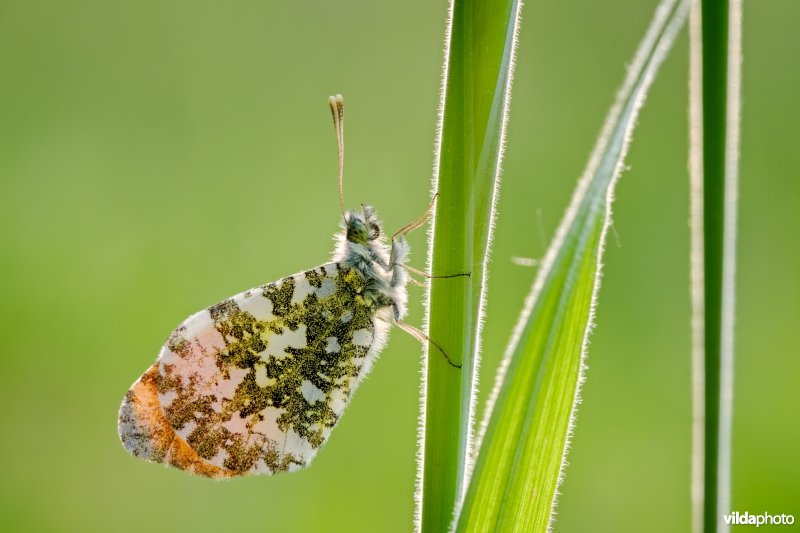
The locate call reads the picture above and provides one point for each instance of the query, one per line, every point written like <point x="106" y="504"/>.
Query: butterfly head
<point x="362" y="227"/>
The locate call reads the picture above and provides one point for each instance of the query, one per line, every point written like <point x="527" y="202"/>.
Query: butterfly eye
<point x="357" y="231"/>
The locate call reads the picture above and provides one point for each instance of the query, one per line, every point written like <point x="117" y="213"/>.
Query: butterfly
<point x="256" y="383"/>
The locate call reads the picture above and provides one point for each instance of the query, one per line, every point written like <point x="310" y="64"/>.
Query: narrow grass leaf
<point x="715" y="51"/>
<point x="531" y="412"/>
<point x="479" y="55"/>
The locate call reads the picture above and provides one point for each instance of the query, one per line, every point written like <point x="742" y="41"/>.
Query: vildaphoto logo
<point x="741" y="519"/>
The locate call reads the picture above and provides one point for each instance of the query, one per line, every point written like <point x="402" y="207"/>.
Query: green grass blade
<point x="714" y="97"/>
<point x="521" y="458"/>
<point x="475" y="97"/>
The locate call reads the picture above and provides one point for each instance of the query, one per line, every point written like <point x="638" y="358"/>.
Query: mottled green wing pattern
<point x="256" y="383"/>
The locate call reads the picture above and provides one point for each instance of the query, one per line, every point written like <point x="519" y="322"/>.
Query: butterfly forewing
<point x="256" y="383"/>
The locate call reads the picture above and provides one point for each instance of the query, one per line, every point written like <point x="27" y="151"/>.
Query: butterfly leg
<point x="398" y="253"/>
<point x="416" y="282"/>
<point x="426" y="275"/>
<point x="421" y="220"/>
<point x="400" y="249"/>
<point x="422" y="338"/>
<point x="400" y="246"/>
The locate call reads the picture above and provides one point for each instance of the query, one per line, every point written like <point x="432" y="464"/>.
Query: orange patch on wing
<point x="165" y="446"/>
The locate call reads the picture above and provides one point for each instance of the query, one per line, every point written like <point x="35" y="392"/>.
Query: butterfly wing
<point x="256" y="383"/>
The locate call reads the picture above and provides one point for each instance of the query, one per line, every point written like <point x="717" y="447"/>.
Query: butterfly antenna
<point x="337" y="110"/>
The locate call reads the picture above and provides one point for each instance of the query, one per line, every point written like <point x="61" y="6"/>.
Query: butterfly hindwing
<point x="256" y="383"/>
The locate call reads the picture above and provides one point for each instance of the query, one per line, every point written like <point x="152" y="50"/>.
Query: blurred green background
<point x="149" y="151"/>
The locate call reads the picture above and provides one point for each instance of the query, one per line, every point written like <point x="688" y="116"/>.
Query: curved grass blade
<point x="481" y="39"/>
<point x="524" y="442"/>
